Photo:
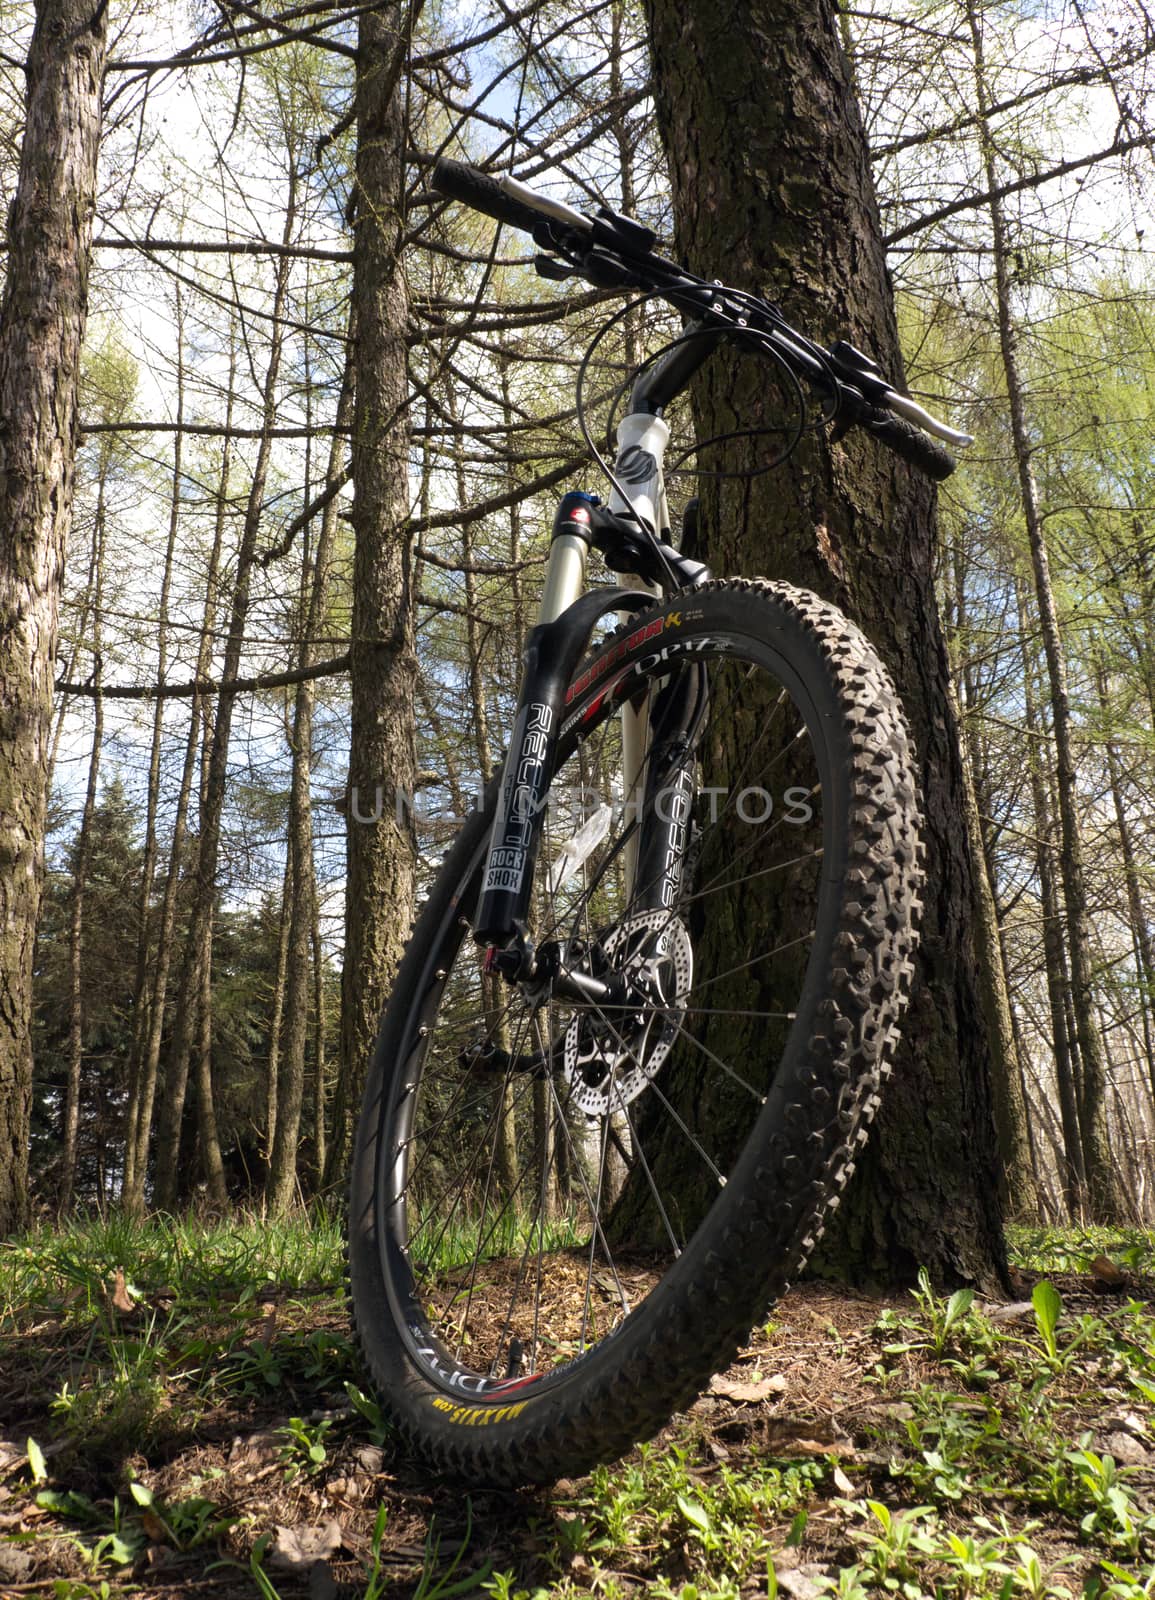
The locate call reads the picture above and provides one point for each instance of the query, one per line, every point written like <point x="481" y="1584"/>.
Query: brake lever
<point x="551" y="267"/>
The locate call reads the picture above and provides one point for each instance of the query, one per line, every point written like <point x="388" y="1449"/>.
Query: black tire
<point x="821" y="1072"/>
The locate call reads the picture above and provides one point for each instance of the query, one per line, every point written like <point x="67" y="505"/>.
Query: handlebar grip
<point x="458" y="181"/>
<point x="907" y="441"/>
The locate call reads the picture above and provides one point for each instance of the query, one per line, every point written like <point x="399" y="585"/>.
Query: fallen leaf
<point x="370" y="1458"/>
<point x="122" y="1301"/>
<point x="841" y="1482"/>
<point x="786" y="1439"/>
<point x="154" y="1527"/>
<point x="15" y="1564"/>
<point x="750" y="1392"/>
<point x="1107" y="1275"/>
<point x="1125" y="1449"/>
<point x="296" y="1549"/>
<point x="797" y="1583"/>
<point x="1009" y="1311"/>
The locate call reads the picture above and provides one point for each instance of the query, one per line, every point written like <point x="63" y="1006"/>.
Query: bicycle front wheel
<point x="565" y="1217"/>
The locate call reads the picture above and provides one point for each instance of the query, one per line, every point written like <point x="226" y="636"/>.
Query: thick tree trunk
<point x="772" y="191"/>
<point x="42" y="318"/>
<point x="382" y="657"/>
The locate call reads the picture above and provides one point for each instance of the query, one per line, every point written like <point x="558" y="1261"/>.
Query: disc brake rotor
<point x="611" y="1057"/>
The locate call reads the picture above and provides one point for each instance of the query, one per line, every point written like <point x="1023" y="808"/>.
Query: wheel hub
<point x="611" y="1056"/>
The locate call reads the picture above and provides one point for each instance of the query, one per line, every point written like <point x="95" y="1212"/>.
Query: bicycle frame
<point x="568" y="614"/>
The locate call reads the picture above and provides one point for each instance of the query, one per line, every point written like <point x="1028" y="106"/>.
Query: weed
<point x="304" y="1449"/>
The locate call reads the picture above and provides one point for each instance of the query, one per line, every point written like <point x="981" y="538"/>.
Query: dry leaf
<point x="122" y="1301"/>
<point x="154" y="1527"/>
<point x="1009" y="1311"/>
<point x="1107" y="1275"/>
<point x="786" y="1439"/>
<point x="841" y="1482"/>
<point x="799" y="1584"/>
<point x="748" y="1393"/>
<point x="296" y="1549"/>
<point x="1125" y="1449"/>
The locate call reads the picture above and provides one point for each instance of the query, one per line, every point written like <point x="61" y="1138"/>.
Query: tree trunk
<point x="1093" y="1113"/>
<point x="212" y="1163"/>
<point x="42" y="319"/>
<point x="1054" y="952"/>
<point x="143" y="985"/>
<point x="140" y="1124"/>
<point x="277" y="1017"/>
<point x="382" y="656"/>
<point x="200" y="933"/>
<point x="772" y="191"/>
<point x="1006" y="1083"/>
<point x="1006" y="1073"/>
<point x="1140" y="933"/>
<point x="282" y="1184"/>
<point x="80" y="861"/>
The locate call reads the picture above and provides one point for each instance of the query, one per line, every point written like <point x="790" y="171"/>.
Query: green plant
<point x="304" y="1448"/>
<point x="1113" y="1515"/>
<point x="1027" y="1576"/>
<point x="941" y="1318"/>
<point x="366" y="1407"/>
<point x="1048" y="1306"/>
<point x="890" y="1550"/>
<point x="847" y="1586"/>
<point x="1122" y="1585"/>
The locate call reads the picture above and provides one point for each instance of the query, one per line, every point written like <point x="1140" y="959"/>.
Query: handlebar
<point x="613" y="251"/>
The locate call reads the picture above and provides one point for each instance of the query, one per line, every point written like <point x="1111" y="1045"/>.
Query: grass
<point x="182" y="1407"/>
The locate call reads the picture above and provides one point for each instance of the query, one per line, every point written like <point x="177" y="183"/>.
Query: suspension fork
<point x="552" y="652"/>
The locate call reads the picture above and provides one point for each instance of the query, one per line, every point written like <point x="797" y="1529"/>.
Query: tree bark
<point x="382" y="656"/>
<point x="772" y="191"/>
<point x="42" y="319"/>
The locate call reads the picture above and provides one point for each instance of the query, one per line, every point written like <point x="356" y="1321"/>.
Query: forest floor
<point x="180" y="1416"/>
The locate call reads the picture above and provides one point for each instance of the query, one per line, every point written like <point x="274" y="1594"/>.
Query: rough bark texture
<point x="382" y="659"/>
<point x="42" y="318"/>
<point x="772" y="191"/>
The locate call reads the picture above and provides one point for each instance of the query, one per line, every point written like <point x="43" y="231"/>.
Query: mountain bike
<point x="639" y="1033"/>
